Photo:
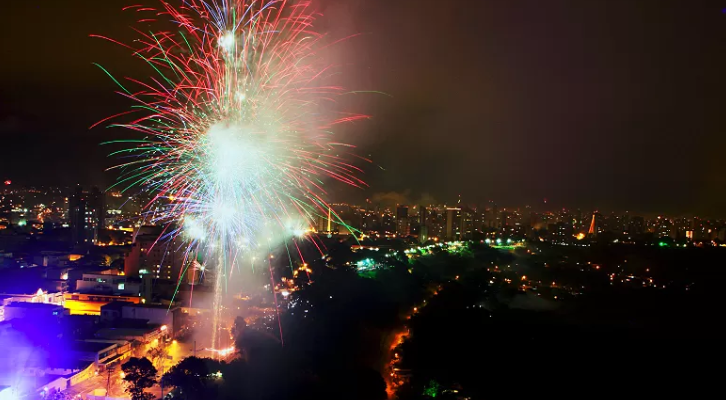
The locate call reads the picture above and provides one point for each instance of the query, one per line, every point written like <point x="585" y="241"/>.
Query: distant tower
<point x="453" y="223"/>
<point x="76" y="215"/>
<point x="86" y="215"/>
<point x="96" y="213"/>
<point x="403" y="225"/>
<point x="423" y="228"/>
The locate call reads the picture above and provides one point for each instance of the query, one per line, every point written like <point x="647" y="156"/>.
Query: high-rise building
<point x="388" y="223"/>
<point x="158" y="258"/>
<point x="562" y="232"/>
<point x="504" y="219"/>
<point x="467" y="224"/>
<point x="321" y="223"/>
<point x="423" y="215"/>
<point x="403" y="225"/>
<point x="86" y="215"/>
<point x="453" y="223"/>
<point x="637" y="225"/>
<point x="423" y="228"/>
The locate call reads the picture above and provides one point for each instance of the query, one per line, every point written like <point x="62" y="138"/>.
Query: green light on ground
<point x="432" y="389"/>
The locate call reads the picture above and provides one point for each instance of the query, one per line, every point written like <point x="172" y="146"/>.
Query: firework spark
<point x="237" y="130"/>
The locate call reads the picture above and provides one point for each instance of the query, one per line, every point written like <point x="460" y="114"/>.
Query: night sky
<point x="611" y="104"/>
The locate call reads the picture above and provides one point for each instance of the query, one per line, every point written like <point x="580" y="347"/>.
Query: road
<point x="176" y="352"/>
<point x="86" y="387"/>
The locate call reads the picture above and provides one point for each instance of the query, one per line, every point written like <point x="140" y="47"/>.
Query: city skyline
<point x="597" y="129"/>
<point x="360" y="199"/>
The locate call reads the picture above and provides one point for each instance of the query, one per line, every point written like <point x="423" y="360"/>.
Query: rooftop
<point x="122" y="332"/>
<point x="156" y="306"/>
<point x="22" y="304"/>
<point x="91" y="347"/>
<point x="115" y="305"/>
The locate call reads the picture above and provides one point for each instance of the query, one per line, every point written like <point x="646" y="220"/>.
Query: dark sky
<point x="597" y="103"/>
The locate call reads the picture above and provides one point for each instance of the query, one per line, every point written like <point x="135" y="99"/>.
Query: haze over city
<point x="598" y="104"/>
<point x="361" y="199"/>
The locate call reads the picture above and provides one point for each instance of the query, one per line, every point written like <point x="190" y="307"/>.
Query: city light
<point x="223" y="352"/>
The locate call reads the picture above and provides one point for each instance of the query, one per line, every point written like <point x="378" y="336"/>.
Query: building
<point x="562" y="232"/>
<point x="33" y="311"/>
<point x="39" y="297"/>
<point x="91" y="304"/>
<point x="150" y="256"/>
<point x="403" y="225"/>
<point x="170" y="317"/>
<point x="141" y="335"/>
<point x="86" y="214"/>
<point x="31" y="373"/>
<point x="468" y="227"/>
<point x="110" y="284"/>
<point x="101" y="352"/>
<point x="636" y="225"/>
<point x="453" y="223"/>
<point x="423" y="215"/>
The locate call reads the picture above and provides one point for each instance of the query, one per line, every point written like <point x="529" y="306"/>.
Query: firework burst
<point x="237" y="125"/>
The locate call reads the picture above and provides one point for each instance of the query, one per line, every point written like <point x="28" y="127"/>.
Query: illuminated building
<point x="388" y="223"/>
<point x="40" y="297"/>
<point x="423" y="221"/>
<point x="101" y="352"/>
<point x="423" y="215"/>
<point x="111" y="284"/>
<point x="90" y="304"/>
<point x="321" y="223"/>
<point x="141" y="335"/>
<point x="150" y="256"/>
<point x="153" y="315"/>
<point x="562" y="232"/>
<point x="453" y="223"/>
<point x="467" y="224"/>
<point x="86" y="215"/>
<point x="403" y="225"/>
<point x="492" y="216"/>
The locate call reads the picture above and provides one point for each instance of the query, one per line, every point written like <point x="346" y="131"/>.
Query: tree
<point x="190" y="377"/>
<point x="239" y="327"/>
<point x="140" y="374"/>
